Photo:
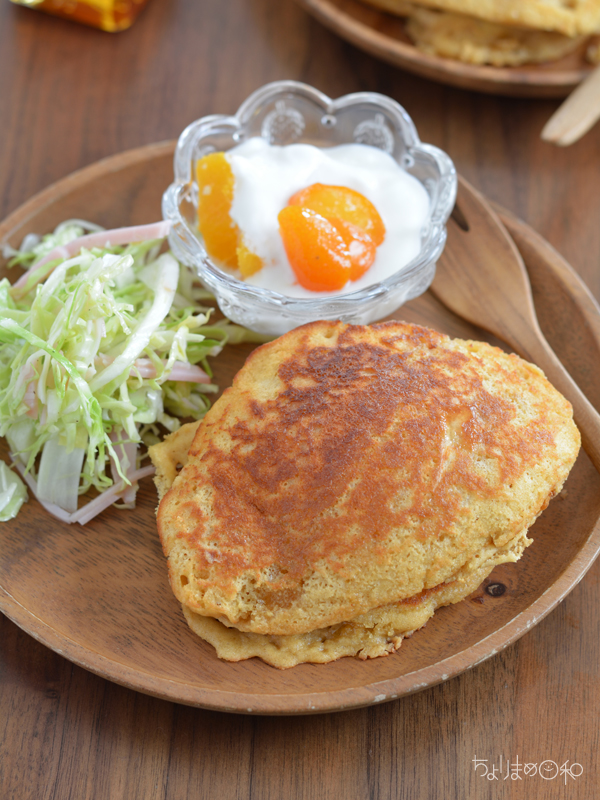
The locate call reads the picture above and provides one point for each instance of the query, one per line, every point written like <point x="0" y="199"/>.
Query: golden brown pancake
<point x="569" y="17"/>
<point x="500" y="34"/>
<point x="351" y="473"/>
<point x="476" y="41"/>
<point x="170" y="455"/>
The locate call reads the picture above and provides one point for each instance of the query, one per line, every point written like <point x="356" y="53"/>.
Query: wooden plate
<point x="383" y="35"/>
<point x="99" y="596"/>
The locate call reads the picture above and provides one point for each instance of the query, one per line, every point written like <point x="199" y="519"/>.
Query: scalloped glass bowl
<point x="287" y="112"/>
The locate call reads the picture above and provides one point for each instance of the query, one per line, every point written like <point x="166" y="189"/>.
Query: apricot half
<point x="342" y="203"/>
<point x="315" y="249"/>
<point x="361" y="248"/>
<point x="324" y="253"/>
<point x="330" y="235"/>
<point x="215" y="195"/>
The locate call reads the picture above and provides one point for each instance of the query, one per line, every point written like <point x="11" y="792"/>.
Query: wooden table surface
<point x="70" y="95"/>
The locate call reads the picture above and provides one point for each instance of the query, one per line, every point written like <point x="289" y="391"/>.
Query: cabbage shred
<point x="87" y="359"/>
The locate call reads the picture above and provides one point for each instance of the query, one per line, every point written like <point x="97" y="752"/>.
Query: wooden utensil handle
<point x="577" y="114"/>
<point x="587" y="419"/>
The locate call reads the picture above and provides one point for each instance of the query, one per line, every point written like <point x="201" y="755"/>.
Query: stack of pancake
<point x="351" y="481"/>
<point x="498" y="32"/>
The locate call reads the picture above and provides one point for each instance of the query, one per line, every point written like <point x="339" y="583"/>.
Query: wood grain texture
<point x="481" y="277"/>
<point x="383" y="35"/>
<point x="54" y="577"/>
<point x="70" y="96"/>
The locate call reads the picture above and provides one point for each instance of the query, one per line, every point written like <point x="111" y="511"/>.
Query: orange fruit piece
<point x="361" y="248"/>
<point x="215" y="196"/>
<point x="315" y="249"/>
<point x="339" y="202"/>
<point x="248" y="262"/>
<point x="222" y="237"/>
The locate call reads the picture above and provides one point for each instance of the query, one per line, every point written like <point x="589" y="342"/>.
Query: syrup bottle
<point x="108" y="15"/>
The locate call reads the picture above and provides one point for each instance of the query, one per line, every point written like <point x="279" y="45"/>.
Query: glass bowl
<point x="287" y="112"/>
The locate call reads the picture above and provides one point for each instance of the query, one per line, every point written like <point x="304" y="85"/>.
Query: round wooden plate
<point x="99" y="595"/>
<point x="383" y="35"/>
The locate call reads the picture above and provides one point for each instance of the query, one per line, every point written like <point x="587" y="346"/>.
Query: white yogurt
<point x="267" y="176"/>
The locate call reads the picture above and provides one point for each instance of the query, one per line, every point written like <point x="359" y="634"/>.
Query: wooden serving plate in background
<point x="99" y="595"/>
<point x="383" y="36"/>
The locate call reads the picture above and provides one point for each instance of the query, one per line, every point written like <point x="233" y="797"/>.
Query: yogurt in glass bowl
<point x="288" y="136"/>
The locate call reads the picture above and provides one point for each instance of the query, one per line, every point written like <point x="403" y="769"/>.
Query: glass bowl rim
<point x="217" y="279"/>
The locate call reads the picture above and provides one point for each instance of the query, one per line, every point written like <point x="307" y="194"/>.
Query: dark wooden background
<point x="71" y="95"/>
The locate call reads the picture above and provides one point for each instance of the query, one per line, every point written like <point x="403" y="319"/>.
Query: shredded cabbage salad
<point x="12" y="493"/>
<point x="101" y="341"/>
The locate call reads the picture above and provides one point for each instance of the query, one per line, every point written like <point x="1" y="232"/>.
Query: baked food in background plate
<point x="382" y="33"/>
<point x="147" y="645"/>
<point x="570" y="17"/>
<point x="503" y="34"/>
<point x="351" y="481"/>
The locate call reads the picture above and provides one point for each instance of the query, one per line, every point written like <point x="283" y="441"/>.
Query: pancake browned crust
<point x="350" y="470"/>
<point x="476" y="40"/>
<point x="569" y="17"/>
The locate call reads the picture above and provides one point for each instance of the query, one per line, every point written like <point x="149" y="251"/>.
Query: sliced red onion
<point x="108" y="497"/>
<point x="25" y="375"/>
<point x="129" y="495"/>
<point x="181" y="371"/>
<point x="95" y="506"/>
<point x="144" y="370"/>
<point x="136" y="233"/>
